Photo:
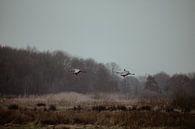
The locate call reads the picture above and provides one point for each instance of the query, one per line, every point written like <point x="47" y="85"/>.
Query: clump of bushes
<point x="52" y="108"/>
<point x="185" y="103"/>
<point x="15" y="117"/>
<point x="41" y="104"/>
<point x="99" y="108"/>
<point x="13" y="107"/>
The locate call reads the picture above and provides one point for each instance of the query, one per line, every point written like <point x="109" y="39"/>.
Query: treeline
<point x="29" y="71"/>
<point x="161" y="85"/>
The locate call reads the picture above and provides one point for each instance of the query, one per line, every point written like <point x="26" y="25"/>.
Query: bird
<point x="125" y="73"/>
<point x="77" y="71"/>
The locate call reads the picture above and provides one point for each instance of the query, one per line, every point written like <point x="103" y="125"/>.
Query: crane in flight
<point x="77" y="71"/>
<point x="125" y="73"/>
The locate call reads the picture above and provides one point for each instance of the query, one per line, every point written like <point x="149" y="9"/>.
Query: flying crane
<point x="125" y="73"/>
<point x="77" y="71"/>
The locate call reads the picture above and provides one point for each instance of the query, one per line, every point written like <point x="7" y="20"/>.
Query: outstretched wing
<point x="132" y="73"/>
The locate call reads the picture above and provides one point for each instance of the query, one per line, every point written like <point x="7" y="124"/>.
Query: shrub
<point x="52" y="108"/>
<point x="99" y="108"/>
<point x="41" y="104"/>
<point x="183" y="102"/>
<point x="13" y="107"/>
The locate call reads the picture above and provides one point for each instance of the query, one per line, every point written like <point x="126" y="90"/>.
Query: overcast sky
<point x="145" y="36"/>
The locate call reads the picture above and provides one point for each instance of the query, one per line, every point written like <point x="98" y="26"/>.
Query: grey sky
<point x="146" y="36"/>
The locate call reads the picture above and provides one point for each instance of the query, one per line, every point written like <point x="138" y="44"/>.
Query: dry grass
<point x="68" y="99"/>
<point x="132" y="119"/>
<point x="77" y="109"/>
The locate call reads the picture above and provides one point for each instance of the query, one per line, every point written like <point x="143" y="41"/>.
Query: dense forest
<point x="32" y="72"/>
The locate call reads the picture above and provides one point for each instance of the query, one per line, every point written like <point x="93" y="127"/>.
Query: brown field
<point x="100" y="111"/>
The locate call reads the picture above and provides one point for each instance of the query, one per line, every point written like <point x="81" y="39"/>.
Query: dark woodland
<point x="32" y="72"/>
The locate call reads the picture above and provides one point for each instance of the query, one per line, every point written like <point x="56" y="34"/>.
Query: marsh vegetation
<point x="88" y="111"/>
